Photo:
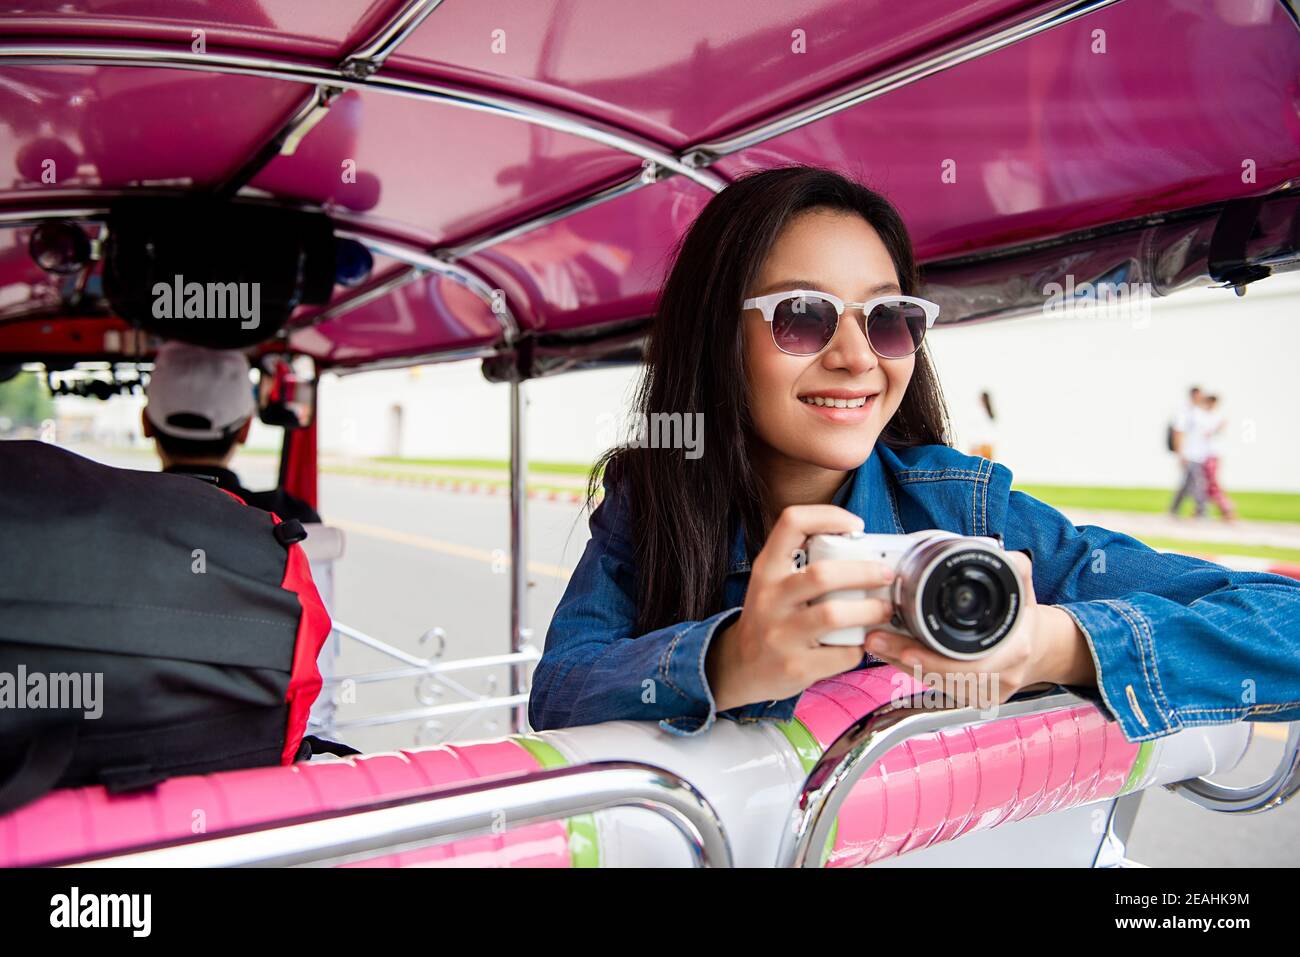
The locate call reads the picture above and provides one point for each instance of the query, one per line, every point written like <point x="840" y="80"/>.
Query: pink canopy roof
<point x="555" y="151"/>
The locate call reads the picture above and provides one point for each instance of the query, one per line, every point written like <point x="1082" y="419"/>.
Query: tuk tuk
<point x="501" y="186"/>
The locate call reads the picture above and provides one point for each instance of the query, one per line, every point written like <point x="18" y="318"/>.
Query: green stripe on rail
<point x="1138" y="772"/>
<point x="584" y="843"/>
<point x="809" y="752"/>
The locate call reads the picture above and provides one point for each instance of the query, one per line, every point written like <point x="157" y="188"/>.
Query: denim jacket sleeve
<point x="596" y="668"/>
<point x="1176" y="640"/>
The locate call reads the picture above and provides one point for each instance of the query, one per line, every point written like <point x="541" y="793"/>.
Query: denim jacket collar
<point x="870" y="497"/>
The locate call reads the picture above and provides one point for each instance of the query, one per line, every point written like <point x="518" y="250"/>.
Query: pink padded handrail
<point x="86" y="821"/>
<point x="931" y="789"/>
<point x="939" y="786"/>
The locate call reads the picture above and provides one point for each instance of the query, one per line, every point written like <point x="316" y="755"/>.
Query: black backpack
<point x="150" y="625"/>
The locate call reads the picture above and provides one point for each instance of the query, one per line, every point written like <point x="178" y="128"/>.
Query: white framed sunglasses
<point x="804" y="321"/>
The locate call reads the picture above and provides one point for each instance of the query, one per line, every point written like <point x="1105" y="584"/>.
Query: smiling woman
<point x="709" y="354"/>
<point x="690" y="601"/>
<point x="794" y="400"/>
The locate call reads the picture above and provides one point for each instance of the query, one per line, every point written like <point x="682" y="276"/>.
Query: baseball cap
<point x="198" y="393"/>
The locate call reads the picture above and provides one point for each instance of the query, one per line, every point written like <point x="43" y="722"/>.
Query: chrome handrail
<point x="861" y="746"/>
<point x="442" y="667"/>
<point x="481" y="807"/>
<point x="431" y="668"/>
<point x="1274" y="791"/>
<point x="384" y="719"/>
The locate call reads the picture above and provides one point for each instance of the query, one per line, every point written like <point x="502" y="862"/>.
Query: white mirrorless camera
<point x="958" y="594"/>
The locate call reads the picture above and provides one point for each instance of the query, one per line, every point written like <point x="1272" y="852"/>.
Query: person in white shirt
<point x="1214" y="425"/>
<point x="1191" y="443"/>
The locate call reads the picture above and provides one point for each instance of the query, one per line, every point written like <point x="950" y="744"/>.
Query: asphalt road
<point x="419" y="558"/>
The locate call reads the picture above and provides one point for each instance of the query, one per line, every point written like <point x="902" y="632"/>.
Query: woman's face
<point x="839" y="253"/>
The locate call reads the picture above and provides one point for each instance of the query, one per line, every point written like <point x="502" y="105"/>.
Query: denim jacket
<point x="1177" y="641"/>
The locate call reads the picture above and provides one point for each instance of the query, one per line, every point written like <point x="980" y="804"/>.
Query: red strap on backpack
<point x="314" y="627"/>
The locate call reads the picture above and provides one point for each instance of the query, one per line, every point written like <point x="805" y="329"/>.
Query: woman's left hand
<point x="1045" y="645"/>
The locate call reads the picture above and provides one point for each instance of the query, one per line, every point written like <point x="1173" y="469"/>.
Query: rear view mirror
<point x="286" y="391"/>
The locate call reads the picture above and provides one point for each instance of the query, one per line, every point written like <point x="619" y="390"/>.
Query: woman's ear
<point x="242" y="437"/>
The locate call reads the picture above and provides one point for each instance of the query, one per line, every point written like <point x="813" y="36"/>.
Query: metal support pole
<point x="520" y="633"/>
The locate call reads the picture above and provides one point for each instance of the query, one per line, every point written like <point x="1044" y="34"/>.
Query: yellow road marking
<point x="445" y="548"/>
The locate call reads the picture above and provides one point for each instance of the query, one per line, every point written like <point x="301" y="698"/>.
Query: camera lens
<point x="968" y="597"/>
<point x="961" y="597"/>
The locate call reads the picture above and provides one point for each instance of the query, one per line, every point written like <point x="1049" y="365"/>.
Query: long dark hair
<point x="684" y="511"/>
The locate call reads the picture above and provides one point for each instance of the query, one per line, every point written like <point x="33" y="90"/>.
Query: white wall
<point x="1086" y="401"/>
<point x="447" y="411"/>
<point x="451" y="411"/>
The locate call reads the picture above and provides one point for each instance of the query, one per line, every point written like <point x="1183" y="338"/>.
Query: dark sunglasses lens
<point x="803" y="326"/>
<point x="895" y="329"/>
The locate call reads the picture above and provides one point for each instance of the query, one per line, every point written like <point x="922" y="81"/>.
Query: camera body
<point x="958" y="594"/>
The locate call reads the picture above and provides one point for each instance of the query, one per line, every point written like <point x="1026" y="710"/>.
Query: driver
<point x="200" y="408"/>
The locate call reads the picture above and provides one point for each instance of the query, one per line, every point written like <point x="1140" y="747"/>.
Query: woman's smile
<point x="845" y="406"/>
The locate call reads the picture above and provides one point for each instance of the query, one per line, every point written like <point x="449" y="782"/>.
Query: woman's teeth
<point x="857" y="403"/>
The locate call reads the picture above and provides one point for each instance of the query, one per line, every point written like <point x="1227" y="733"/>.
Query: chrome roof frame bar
<point x="296" y="70"/>
<point x="364" y="60"/>
<point x="370" y="55"/>
<point x="283" y="142"/>
<point x="708" y="152"/>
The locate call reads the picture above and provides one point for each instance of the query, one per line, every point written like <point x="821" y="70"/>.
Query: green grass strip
<point x="1259" y="506"/>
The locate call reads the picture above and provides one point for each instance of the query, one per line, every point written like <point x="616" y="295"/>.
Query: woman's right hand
<point x="773" y="651"/>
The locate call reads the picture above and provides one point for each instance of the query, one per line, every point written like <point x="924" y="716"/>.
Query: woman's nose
<point x="849" y="350"/>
